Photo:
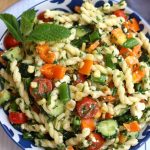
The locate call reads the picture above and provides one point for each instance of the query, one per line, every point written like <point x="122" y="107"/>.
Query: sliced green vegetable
<point x="27" y="136"/>
<point x="130" y="43"/>
<point x="12" y="25"/>
<point x="78" y="42"/>
<point x="48" y="32"/>
<point x="13" y="53"/>
<point x="76" y="123"/>
<point x="64" y="92"/>
<point x="4" y="96"/>
<point x="114" y="91"/>
<point x="82" y="30"/>
<point x="101" y="79"/>
<point x="108" y="128"/>
<point x="94" y="36"/>
<point x="58" y="109"/>
<point x="27" y="21"/>
<point x="109" y="62"/>
<point x="121" y="111"/>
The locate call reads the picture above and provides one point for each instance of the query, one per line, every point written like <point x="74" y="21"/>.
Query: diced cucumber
<point x="82" y="30"/>
<point x="121" y="109"/>
<point x="13" y="53"/>
<point x="58" y="109"/>
<point x="78" y="42"/>
<point x="4" y="96"/>
<point x="108" y="128"/>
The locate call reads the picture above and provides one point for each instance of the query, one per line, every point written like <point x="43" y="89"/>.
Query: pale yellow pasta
<point x="45" y="143"/>
<point x="17" y="79"/>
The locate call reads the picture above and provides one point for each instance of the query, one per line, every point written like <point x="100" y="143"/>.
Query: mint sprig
<point x="12" y="25"/>
<point x="27" y="21"/>
<point x="48" y="32"/>
<point x="30" y="32"/>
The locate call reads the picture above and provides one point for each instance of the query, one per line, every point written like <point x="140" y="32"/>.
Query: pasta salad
<point x="76" y="81"/>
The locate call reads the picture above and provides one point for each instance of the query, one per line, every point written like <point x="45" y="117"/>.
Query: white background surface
<point x="5" y="142"/>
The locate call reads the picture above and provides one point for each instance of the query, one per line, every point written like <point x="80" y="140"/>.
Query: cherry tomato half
<point x="42" y="17"/>
<point x="44" y="86"/>
<point x="10" y="41"/>
<point x="80" y="79"/>
<point x="87" y="108"/>
<point x="120" y="13"/>
<point x="17" y="118"/>
<point x="96" y="141"/>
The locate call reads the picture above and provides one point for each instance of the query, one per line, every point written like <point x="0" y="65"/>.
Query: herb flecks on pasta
<point x="77" y="80"/>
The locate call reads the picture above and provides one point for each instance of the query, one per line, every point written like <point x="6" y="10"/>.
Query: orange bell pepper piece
<point x="45" y="54"/>
<point x="138" y="75"/>
<point x="125" y="52"/>
<point x="137" y="51"/>
<point x="52" y="71"/>
<point x="70" y="148"/>
<point x="86" y="68"/>
<point x="93" y="46"/>
<point x="131" y="61"/>
<point x="132" y="126"/>
<point x="132" y="25"/>
<point x="88" y="123"/>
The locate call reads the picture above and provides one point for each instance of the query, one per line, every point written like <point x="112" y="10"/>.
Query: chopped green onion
<point x="109" y="62"/>
<point x="130" y="43"/>
<point x="49" y="98"/>
<point x="101" y="79"/>
<point x="27" y="136"/>
<point x="76" y="123"/>
<point x="64" y="92"/>
<point x="114" y="91"/>
<point x="94" y="36"/>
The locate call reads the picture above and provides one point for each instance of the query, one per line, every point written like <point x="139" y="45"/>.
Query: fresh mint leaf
<point x="48" y="32"/>
<point x="27" y="21"/>
<point x="12" y="25"/>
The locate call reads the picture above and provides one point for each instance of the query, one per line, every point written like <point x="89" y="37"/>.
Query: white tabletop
<point x="5" y="142"/>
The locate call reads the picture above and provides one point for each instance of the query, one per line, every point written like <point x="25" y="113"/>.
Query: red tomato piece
<point x="42" y="17"/>
<point x="80" y="79"/>
<point x="17" y="118"/>
<point x="87" y="108"/>
<point x="120" y="13"/>
<point x="10" y="41"/>
<point x="44" y="86"/>
<point x="96" y="140"/>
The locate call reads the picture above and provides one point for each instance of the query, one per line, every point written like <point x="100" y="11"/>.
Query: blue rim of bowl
<point x="143" y="141"/>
